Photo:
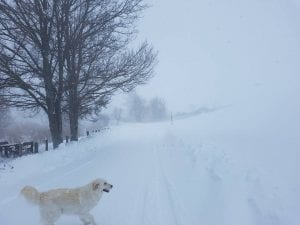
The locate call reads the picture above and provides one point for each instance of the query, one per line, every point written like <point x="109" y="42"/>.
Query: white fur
<point x="78" y="201"/>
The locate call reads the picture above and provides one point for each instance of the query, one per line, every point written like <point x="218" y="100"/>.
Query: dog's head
<point x="101" y="185"/>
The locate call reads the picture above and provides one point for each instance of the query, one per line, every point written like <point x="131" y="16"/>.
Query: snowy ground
<point x="213" y="169"/>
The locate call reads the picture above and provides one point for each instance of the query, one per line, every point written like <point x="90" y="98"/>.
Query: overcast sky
<point x="214" y="52"/>
<point x="224" y="52"/>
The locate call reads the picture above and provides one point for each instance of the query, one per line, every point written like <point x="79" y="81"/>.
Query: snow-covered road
<point x="162" y="174"/>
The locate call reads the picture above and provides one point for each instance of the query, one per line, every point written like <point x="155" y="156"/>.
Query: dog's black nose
<point x="111" y="186"/>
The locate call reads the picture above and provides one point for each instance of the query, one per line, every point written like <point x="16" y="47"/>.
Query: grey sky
<point x="213" y="52"/>
<point x="225" y="52"/>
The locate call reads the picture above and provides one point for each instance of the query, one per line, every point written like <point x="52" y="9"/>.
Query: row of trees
<point x="142" y="110"/>
<point x="70" y="56"/>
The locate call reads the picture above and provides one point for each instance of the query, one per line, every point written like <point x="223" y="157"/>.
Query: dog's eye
<point x="105" y="183"/>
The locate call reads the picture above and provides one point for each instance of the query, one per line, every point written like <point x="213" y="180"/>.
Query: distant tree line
<point x="134" y="109"/>
<point x="70" y="56"/>
<point x="139" y="109"/>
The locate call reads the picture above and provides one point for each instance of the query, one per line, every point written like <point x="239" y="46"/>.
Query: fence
<point x="19" y="149"/>
<point x="88" y="133"/>
<point x="103" y="129"/>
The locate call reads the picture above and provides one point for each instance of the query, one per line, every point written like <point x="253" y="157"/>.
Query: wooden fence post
<point x="67" y="139"/>
<point x="46" y="144"/>
<point x="31" y="146"/>
<point x="36" y="147"/>
<point x="87" y="133"/>
<point x="19" y="149"/>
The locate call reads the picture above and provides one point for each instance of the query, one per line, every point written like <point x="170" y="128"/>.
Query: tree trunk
<point x="73" y="100"/>
<point x="74" y="126"/>
<point x="55" y="119"/>
<point x="73" y="113"/>
<point x="54" y="111"/>
<point x="55" y="124"/>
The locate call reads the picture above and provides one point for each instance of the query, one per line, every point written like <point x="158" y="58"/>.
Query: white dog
<point x="78" y="201"/>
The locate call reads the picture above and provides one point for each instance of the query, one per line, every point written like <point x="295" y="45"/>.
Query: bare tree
<point x="142" y="110"/>
<point x="99" y="61"/>
<point x="137" y="108"/>
<point x="117" y="114"/>
<point x="157" y="109"/>
<point x="70" y="56"/>
<point x="31" y="64"/>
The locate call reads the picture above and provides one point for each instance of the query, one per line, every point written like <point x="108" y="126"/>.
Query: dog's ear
<point x="95" y="185"/>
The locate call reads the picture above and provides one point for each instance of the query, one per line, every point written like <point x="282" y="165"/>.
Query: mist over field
<point x="218" y="52"/>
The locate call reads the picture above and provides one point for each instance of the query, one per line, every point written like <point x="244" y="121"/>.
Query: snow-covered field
<point x="228" y="167"/>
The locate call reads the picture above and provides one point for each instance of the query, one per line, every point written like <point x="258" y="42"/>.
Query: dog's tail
<point x="31" y="194"/>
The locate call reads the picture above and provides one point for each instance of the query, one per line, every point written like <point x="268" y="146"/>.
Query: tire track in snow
<point x="164" y="182"/>
<point x="140" y="206"/>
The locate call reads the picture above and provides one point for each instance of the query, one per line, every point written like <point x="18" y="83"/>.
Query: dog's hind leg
<point x="87" y="219"/>
<point x="49" y="216"/>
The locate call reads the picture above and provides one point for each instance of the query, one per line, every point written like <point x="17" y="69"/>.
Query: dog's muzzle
<point x="107" y="189"/>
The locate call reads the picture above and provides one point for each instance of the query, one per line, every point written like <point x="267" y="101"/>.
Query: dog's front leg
<point x="87" y="219"/>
